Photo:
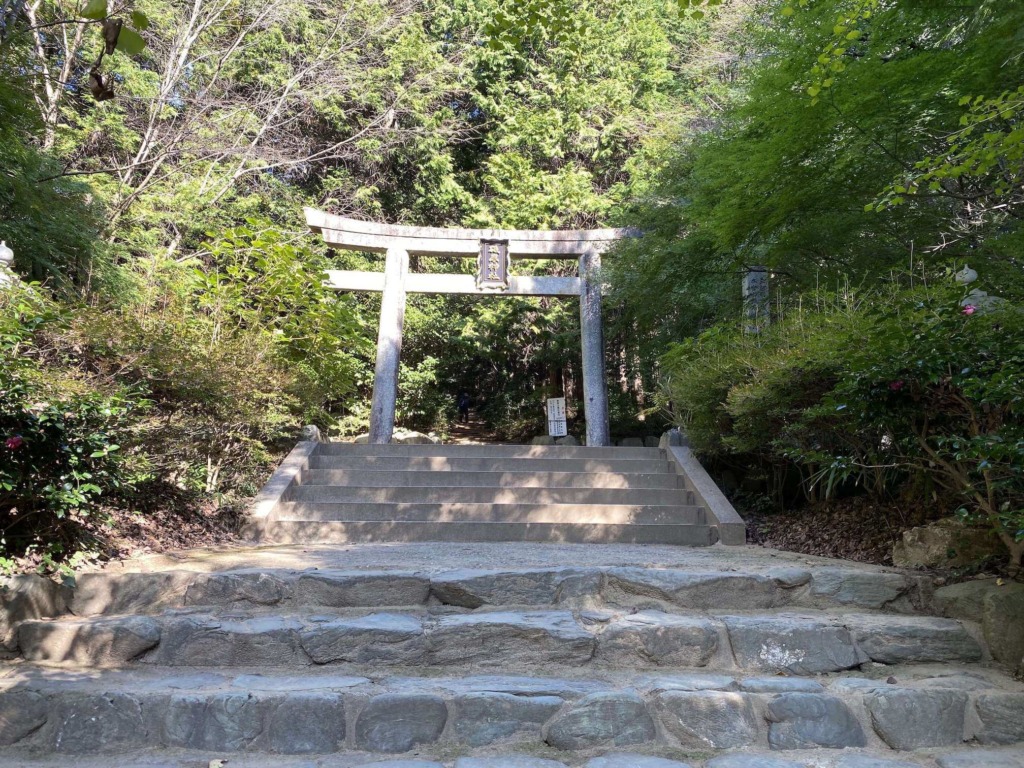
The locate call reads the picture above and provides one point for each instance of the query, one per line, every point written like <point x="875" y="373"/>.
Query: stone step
<point x="334" y="532"/>
<point x="490" y="451"/>
<point x="432" y="494"/>
<point x="795" y="643"/>
<point x="440" y="463"/>
<point x="627" y="587"/>
<point x="259" y="712"/>
<point x="499" y="479"/>
<point x="458" y="513"/>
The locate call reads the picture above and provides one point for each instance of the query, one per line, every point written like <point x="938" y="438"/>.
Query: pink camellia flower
<point x="896" y="386"/>
<point x="970" y="309"/>
<point x="14" y="443"/>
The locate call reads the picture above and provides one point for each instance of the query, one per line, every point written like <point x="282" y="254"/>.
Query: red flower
<point x="969" y="309"/>
<point x="14" y="443"/>
<point x="896" y="386"/>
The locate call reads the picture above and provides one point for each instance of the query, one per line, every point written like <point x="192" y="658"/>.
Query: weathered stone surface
<point x="27" y="597"/>
<point x="341" y="589"/>
<point x="21" y="713"/>
<point x="903" y="639"/>
<point x="504" y="637"/>
<point x="716" y="719"/>
<point x="523" y="686"/>
<point x="982" y="758"/>
<point x="808" y="720"/>
<point x="507" y="761"/>
<point x="472" y="588"/>
<point x="229" y="722"/>
<point x="910" y="719"/>
<point x="945" y="544"/>
<point x="380" y="638"/>
<point x="601" y="719"/>
<point x="1002" y="718"/>
<point x="567" y="440"/>
<point x="486" y="717"/>
<point x="781" y="685"/>
<point x="751" y="761"/>
<point x="397" y="722"/>
<point x="869" y="761"/>
<point x="689" y="682"/>
<point x="632" y="442"/>
<point x="789" y="643"/>
<point x="98" y="642"/>
<point x="867" y="589"/>
<point x="653" y="638"/>
<point x="964" y="600"/>
<point x="238" y="588"/>
<point x="1003" y="624"/>
<point x="103" y="592"/>
<point x="631" y="760"/>
<point x="403" y="764"/>
<point x="203" y="641"/>
<point x="543" y="440"/>
<point x="696" y="590"/>
<point x="90" y="723"/>
<point x="306" y="723"/>
<point x="961" y="681"/>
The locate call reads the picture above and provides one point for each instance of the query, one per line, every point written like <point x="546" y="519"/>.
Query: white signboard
<point x="556" y="417"/>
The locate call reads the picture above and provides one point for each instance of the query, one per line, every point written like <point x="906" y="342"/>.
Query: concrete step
<point x="263" y="713"/>
<point x="521" y="479"/>
<point x="458" y="513"/>
<point x="490" y="451"/>
<point x="774" y="642"/>
<point x="439" y="463"/>
<point x="433" y="494"/>
<point x="621" y="587"/>
<point x="335" y="532"/>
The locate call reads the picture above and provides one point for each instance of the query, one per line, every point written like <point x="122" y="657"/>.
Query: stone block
<point x="632" y="442"/>
<point x="652" y="441"/>
<point x="504" y="638"/>
<point x="306" y="723"/>
<point x="684" y="681"/>
<point x="794" y="644"/>
<point x="507" y="761"/>
<point x="97" y="722"/>
<point x="809" y="720"/>
<point x="870" y="761"/>
<point x="601" y="720"/>
<point x="567" y="440"/>
<point x="401" y="764"/>
<point x="472" y="588"/>
<point x="397" y="722"/>
<point x="909" y="639"/>
<point x="543" y="440"/>
<point x="964" y="600"/>
<point x="27" y="597"/>
<point x="1002" y="718"/>
<point x="688" y="589"/>
<point x="97" y="593"/>
<point x="741" y="760"/>
<point x="631" y="760"/>
<point x="344" y="589"/>
<point x="982" y="758"/>
<point x="781" y="685"/>
<point x="715" y="719"/>
<point x="380" y="638"/>
<point x="21" y="714"/>
<point x="238" y="588"/>
<point x="485" y="717"/>
<point x="653" y="638"/>
<point x="203" y="641"/>
<point x="1003" y="624"/>
<point x="945" y="544"/>
<point x="228" y="722"/>
<point x="95" y="642"/>
<point x="866" y="589"/>
<point x="911" y="719"/>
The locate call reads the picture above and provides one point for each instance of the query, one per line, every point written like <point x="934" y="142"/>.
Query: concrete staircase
<point x="490" y="655"/>
<point x="340" y="492"/>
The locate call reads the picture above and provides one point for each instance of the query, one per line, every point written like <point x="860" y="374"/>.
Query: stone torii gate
<point x="494" y="250"/>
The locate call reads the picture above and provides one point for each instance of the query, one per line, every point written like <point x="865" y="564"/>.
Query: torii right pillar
<point x="595" y="387"/>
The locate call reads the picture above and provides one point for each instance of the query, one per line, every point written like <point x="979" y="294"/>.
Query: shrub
<point x="890" y="389"/>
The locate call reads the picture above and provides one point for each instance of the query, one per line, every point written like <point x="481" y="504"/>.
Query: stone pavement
<point x="487" y="655"/>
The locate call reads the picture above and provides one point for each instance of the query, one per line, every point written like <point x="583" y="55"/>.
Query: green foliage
<point x="879" y="390"/>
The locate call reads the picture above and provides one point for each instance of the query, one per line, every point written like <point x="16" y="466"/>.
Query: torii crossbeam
<point x="494" y="250"/>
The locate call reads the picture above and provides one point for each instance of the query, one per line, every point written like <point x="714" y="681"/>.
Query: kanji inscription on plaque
<point x="492" y="265"/>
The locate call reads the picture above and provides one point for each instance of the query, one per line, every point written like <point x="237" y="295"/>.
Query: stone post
<point x="756" y="306"/>
<point x="389" y="347"/>
<point x="595" y="391"/>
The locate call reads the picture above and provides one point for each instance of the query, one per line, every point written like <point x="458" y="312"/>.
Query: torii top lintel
<point x="357" y="235"/>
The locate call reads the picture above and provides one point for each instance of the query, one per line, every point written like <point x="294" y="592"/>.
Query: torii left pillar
<point x="389" y="347"/>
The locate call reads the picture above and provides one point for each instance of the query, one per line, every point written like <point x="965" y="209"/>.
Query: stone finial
<point x="311" y="433"/>
<point x="966" y="276"/>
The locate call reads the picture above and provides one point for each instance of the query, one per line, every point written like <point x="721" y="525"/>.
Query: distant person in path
<point x="462" y="403"/>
